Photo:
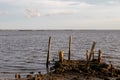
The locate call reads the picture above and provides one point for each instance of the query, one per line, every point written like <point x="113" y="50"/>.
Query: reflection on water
<point x="25" y="51"/>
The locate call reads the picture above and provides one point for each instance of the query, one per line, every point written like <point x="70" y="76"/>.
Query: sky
<point x="60" y="14"/>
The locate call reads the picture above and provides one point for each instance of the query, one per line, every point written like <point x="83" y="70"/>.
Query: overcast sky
<point x="59" y="14"/>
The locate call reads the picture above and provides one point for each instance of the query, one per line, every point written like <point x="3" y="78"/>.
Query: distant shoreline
<point x="59" y="30"/>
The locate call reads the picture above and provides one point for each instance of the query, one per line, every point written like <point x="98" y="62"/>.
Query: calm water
<point x="25" y="51"/>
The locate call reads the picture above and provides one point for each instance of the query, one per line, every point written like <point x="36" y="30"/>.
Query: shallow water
<point x="25" y="51"/>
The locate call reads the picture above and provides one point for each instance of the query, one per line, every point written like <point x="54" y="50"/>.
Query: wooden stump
<point x="38" y="77"/>
<point x="61" y="56"/>
<point x="17" y="76"/>
<point x="92" y="50"/>
<point x="100" y="56"/>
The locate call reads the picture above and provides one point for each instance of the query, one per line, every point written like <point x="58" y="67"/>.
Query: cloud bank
<point x="32" y="13"/>
<point x="66" y="13"/>
<point x="2" y="13"/>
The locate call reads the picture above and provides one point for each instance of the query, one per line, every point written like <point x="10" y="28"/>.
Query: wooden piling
<point x="38" y="77"/>
<point x="17" y="76"/>
<point x="100" y="56"/>
<point x="61" y="56"/>
<point x="48" y="54"/>
<point x="91" y="55"/>
<point x="70" y="42"/>
<point x="87" y="56"/>
<point x="92" y="49"/>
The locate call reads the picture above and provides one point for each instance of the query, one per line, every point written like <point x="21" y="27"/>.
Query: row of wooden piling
<point x="60" y="53"/>
<point x="61" y="58"/>
<point x="89" y="56"/>
<point x="90" y="65"/>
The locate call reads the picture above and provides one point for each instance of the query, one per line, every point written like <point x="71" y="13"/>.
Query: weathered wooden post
<point x="100" y="56"/>
<point x="87" y="56"/>
<point x="38" y="77"/>
<point x="17" y="76"/>
<point x="61" y="56"/>
<point x="91" y="55"/>
<point x="92" y="49"/>
<point x="69" y="53"/>
<point x="48" y="54"/>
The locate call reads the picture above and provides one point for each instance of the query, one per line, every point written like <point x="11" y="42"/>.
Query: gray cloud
<point x="59" y="13"/>
<point x="32" y="13"/>
<point x="92" y="1"/>
<point x="114" y="2"/>
<point x="3" y="13"/>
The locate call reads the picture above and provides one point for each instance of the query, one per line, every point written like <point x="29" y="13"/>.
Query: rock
<point x="106" y="78"/>
<point x="29" y="77"/>
<point x="75" y="78"/>
<point x="117" y="71"/>
<point x="50" y="78"/>
<point x="104" y="70"/>
<point x="104" y="65"/>
<point x="118" y="78"/>
<point x="58" y="65"/>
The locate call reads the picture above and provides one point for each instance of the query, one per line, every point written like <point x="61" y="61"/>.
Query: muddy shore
<point x="76" y="70"/>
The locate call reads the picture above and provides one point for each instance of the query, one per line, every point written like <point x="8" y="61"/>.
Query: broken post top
<point x="100" y="56"/>
<point x="100" y="51"/>
<point x="61" y="56"/>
